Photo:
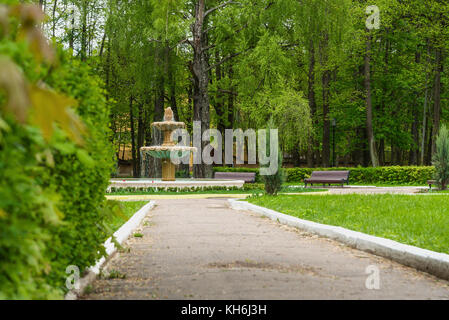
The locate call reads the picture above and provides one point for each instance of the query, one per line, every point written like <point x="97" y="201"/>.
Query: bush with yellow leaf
<point x="55" y="160"/>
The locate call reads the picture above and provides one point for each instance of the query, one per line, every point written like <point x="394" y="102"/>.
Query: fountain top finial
<point x="168" y="116"/>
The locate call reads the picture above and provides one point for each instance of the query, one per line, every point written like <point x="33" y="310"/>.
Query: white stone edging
<point x="120" y="235"/>
<point x="432" y="262"/>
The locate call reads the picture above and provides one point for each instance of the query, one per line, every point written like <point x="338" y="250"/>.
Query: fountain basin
<point x="179" y="184"/>
<point x="168" y="125"/>
<point x="167" y="152"/>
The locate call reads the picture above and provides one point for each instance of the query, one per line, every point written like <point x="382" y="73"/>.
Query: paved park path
<point x="201" y="249"/>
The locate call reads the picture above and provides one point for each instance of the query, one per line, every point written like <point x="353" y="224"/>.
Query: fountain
<point x="166" y="152"/>
<point x="168" y="148"/>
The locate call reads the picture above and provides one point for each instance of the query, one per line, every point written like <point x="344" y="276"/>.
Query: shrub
<point x="27" y="212"/>
<point x="80" y="176"/>
<point x="441" y="158"/>
<point x="52" y="206"/>
<point x="359" y="175"/>
<point x="273" y="183"/>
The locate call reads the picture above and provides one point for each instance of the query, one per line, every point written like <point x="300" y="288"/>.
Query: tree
<point x="441" y="158"/>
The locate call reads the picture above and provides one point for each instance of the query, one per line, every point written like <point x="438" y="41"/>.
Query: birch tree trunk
<point x="369" y="106"/>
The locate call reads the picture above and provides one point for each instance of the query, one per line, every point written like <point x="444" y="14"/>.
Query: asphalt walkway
<point x="202" y="249"/>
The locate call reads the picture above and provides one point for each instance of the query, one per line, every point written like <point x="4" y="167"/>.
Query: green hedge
<point x="52" y="205"/>
<point x="80" y="176"/>
<point x="359" y="175"/>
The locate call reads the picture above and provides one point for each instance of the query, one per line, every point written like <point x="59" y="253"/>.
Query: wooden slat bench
<point x="328" y="178"/>
<point x="248" y="177"/>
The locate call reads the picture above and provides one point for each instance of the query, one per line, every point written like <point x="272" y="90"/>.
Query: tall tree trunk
<point x="413" y="158"/>
<point x="312" y="104"/>
<point x="200" y="72"/>
<point x="231" y="97"/>
<point x="437" y="98"/>
<point x="381" y="152"/>
<point x="326" y="121"/>
<point x="159" y="99"/>
<point x="424" y="121"/>
<point x="326" y="77"/>
<point x="369" y="105"/>
<point x="72" y="30"/>
<point x="219" y="105"/>
<point x="414" y="150"/>
<point x="429" y="142"/>
<point x="84" y="12"/>
<point x="140" y="139"/>
<point x="173" y="102"/>
<point x="55" y="4"/>
<point x="133" y="138"/>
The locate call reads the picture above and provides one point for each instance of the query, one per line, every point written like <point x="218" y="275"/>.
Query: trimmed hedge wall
<point x="52" y="206"/>
<point x="359" y="175"/>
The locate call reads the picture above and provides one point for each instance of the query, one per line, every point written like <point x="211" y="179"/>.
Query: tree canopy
<point x="236" y="64"/>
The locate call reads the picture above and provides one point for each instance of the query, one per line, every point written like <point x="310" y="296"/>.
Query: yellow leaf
<point x="50" y="107"/>
<point x="14" y="83"/>
<point x="2" y="213"/>
<point x="31" y="16"/>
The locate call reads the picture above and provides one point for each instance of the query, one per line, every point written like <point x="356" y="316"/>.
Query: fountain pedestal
<point x="168" y="170"/>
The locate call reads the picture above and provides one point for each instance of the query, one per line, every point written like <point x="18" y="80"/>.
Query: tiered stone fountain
<point x="164" y="152"/>
<point x="168" y="148"/>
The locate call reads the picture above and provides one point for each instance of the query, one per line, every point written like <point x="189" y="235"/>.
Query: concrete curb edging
<point x="428" y="261"/>
<point x="120" y="235"/>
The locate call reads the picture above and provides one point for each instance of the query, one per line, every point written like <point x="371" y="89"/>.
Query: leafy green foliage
<point x="273" y="182"/>
<point x="359" y="175"/>
<point x="52" y="206"/>
<point x="27" y="214"/>
<point x="441" y="158"/>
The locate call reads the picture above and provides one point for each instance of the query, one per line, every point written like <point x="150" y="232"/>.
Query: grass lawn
<point x="122" y="212"/>
<point x="420" y="220"/>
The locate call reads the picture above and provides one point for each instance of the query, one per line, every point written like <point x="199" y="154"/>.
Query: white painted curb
<point x="120" y="235"/>
<point x="424" y="260"/>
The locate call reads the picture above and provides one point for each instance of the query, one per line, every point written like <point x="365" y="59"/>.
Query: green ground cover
<point x="122" y="213"/>
<point x="420" y="220"/>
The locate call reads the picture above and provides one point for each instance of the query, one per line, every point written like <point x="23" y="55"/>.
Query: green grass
<point x="122" y="212"/>
<point x="420" y="220"/>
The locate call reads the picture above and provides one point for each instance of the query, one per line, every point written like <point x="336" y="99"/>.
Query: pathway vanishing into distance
<point x="202" y="249"/>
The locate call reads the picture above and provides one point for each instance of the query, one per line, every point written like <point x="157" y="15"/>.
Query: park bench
<point x="248" y="177"/>
<point x="328" y="178"/>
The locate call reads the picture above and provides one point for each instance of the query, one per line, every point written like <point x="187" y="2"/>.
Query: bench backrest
<point x="331" y="175"/>
<point x="245" y="176"/>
